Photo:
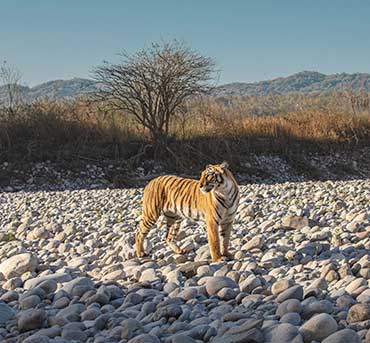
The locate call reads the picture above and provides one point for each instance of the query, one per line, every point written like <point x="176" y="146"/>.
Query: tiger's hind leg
<point x="144" y="227"/>
<point x="173" y="226"/>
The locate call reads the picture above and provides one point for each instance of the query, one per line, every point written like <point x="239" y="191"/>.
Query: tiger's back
<point x="174" y="197"/>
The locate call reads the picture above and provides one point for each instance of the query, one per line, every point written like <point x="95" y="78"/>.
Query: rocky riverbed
<point x="68" y="272"/>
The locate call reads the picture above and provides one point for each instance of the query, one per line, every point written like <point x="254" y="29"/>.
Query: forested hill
<point x="305" y="82"/>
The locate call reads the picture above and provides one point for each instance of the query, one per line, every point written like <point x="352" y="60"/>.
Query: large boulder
<point x="255" y="243"/>
<point x="285" y="332"/>
<point x="250" y="331"/>
<point x="358" y="313"/>
<point x="6" y="313"/>
<point x="78" y="286"/>
<point x="318" y="328"/>
<point x="343" y="336"/>
<point x="18" y="265"/>
<point x="295" y="222"/>
<point x="216" y="283"/>
<point x="31" y="319"/>
<point x="57" y="277"/>
<point x="294" y="292"/>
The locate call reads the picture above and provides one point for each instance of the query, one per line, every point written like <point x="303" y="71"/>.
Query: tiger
<point x="212" y="199"/>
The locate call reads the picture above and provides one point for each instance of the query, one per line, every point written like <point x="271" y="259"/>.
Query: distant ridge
<point x="55" y="90"/>
<point x="304" y="82"/>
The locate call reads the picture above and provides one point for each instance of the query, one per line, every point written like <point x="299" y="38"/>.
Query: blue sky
<point x="249" y="40"/>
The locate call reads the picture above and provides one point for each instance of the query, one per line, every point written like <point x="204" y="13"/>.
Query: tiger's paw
<point x="180" y="251"/>
<point x="141" y="254"/>
<point x="176" y="249"/>
<point x="227" y="257"/>
<point x="218" y="259"/>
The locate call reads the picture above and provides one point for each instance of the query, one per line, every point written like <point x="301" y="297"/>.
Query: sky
<point x="249" y="40"/>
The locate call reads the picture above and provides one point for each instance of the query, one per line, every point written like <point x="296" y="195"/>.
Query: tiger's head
<point x="213" y="176"/>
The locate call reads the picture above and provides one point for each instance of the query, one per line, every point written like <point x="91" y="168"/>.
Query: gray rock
<point x="291" y="318"/>
<point x="295" y="222"/>
<point x="367" y="336"/>
<point x="252" y="336"/>
<point x="30" y="302"/>
<point x="227" y="294"/>
<point x="314" y="307"/>
<point x="37" y="338"/>
<point x="234" y="316"/>
<point x="358" y="313"/>
<point x="281" y="286"/>
<point x="18" y="264"/>
<point x="51" y="332"/>
<point x="99" y="298"/>
<point x="6" y="313"/>
<point x="355" y="284"/>
<point x="318" y="327"/>
<point x="285" y="332"/>
<point x="247" y="332"/>
<point x="343" y="336"/>
<point x="364" y="297"/>
<point x="216" y="283"/>
<point x="294" y="292"/>
<point x="31" y="319"/>
<point x="188" y="293"/>
<point x="345" y="301"/>
<point x="130" y="327"/>
<point x="9" y="296"/>
<point x="78" y="286"/>
<point x="255" y="243"/>
<point x="73" y="334"/>
<point x="57" y="277"/>
<point x="49" y="286"/>
<point x="145" y="338"/>
<point x="13" y="283"/>
<point x="134" y="298"/>
<point x="61" y="303"/>
<point x="250" y="283"/>
<point x="189" y="269"/>
<point x="181" y="338"/>
<point x="90" y="314"/>
<point x="100" y="323"/>
<point x="178" y="326"/>
<point x="288" y="306"/>
<point x="71" y="313"/>
<point x="171" y="310"/>
<point x="148" y="275"/>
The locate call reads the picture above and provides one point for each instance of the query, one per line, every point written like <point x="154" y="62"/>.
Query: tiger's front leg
<point x="225" y="232"/>
<point x="213" y="239"/>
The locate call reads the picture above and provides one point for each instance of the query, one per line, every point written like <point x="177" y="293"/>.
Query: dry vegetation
<point x="203" y="130"/>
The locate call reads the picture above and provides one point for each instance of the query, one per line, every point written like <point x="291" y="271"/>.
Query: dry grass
<point x="203" y="131"/>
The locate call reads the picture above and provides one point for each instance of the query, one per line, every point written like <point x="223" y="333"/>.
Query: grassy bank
<point x="204" y="131"/>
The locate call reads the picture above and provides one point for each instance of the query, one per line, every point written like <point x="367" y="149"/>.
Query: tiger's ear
<point x="224" y="165"/>
<point x="208" y="166"/>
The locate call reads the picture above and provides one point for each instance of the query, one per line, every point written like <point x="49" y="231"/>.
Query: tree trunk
<point x="160" y="144"/>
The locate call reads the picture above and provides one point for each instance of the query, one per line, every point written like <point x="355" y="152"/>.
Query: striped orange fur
<point x="213" y="199"/>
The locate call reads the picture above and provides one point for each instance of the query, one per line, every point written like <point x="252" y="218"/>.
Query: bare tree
<point x="11" y="95"/>
<point x="152" y="83"/>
